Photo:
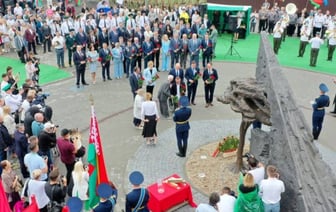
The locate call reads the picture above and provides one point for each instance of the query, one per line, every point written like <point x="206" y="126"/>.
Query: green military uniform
<point x="70" y="42"/>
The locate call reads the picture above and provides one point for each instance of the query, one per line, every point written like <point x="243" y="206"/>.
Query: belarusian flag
<point x="97" y="169"/>
<point x="33" y="207"/>
<point x="4" y="206"/>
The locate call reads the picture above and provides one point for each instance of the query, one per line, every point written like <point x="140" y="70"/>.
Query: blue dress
<point x="93" y="64"/>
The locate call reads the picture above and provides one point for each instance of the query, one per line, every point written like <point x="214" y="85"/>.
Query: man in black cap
<point x="138" y="198"/>
<point x="319" y="110"/>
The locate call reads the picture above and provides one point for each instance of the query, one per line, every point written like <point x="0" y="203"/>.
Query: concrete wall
<point x="310" y="184"/>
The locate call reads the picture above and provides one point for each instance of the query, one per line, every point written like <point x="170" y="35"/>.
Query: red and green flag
<point x="4" y="206"/>
<point x="97" y="169"/>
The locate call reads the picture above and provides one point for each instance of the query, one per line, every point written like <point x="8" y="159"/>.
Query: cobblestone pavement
<point x="123" y="146"/>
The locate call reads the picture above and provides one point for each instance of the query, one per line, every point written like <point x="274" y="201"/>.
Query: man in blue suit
<point x="81" y="38"/>
<point x="192" y="83"/>
<point x="181" y="118"/>
<point x="210" y="77"/>
<point x="102" y="37"/>
<point x="175" y="49"/>
<point x="319" y="110"/>
<point x="194" y="49"/>
<point x="79" y="58"/>
<point x="134" y="81"/>
<point x="177" y="72"/>
<point x="148" y="50"/>
<point x="113" y="37"/>
<point x="207" y="49"/>
<point x="105" y="61"/>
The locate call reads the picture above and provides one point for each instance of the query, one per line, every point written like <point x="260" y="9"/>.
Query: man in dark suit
<point x="148" y="50"/>
<point x="105" y="61"/>
<point x="210" y="77"/>
<point x="177" y="72"/>
<point x="207" y="49"/>
<point x="81" y="38"/>
<point x="79" y="59"/>
<point x="192" y="82"/>
<point x="134" y="81"/>
<point x="102" y="37"/>
<point x="194" y="48"/>
<point x="181" y="118"/>
<point x="113" y="37"/>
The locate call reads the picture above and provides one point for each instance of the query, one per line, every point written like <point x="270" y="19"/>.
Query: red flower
<point x="100" y="59"/>
<point x="212" y="77"/>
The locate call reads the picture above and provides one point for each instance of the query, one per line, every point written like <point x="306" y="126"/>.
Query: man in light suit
<point x="79" y="59"/>
<point x="210" y="77"/>
<point x="194" y="49"/>
<point x="163" y="95"/>
<point x="192" y="83"/>
<point x="19" y="45"/>
<point x="175" y="49"/>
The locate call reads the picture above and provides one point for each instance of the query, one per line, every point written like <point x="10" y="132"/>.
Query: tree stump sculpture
<point x="245" y="96"/>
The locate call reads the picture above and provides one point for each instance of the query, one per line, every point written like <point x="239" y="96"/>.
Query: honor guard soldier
<point x="107" y="196"/>
<point x="138" y="198"/>
<point x="319" y="110"/>
<point x="74" y="204"/>
<point x="70" y="42"/>
<point x="181" y="118"/>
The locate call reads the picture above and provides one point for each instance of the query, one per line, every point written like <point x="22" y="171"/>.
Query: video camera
<point x="252" y="163"/>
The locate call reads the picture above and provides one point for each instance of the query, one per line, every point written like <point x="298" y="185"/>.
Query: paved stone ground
<point x="124" y="148"/>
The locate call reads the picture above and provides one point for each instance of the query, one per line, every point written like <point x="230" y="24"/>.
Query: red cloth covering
<point x="4" y="206"/>
<point x="171" y="196"/>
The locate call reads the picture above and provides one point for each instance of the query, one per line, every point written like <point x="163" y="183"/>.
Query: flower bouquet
<point x="100" y="59"/>
<point x="108" y="57"/>
<point x="228" y="144"/>
<point x="175" y="100"/>
<point x="89" y="59"/>
<point x="155" y="77"/>
<point x="141" y="81"/>
<point x="183" y="89"/>
<point x="196" y="78"/>
<point x="211" y="79"/>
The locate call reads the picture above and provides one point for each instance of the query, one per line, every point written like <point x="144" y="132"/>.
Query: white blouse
<point x="148" y="108"/>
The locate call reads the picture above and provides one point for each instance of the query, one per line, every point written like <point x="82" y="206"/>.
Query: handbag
<point x="54" y="206"/>
<point x="80" y="152"/>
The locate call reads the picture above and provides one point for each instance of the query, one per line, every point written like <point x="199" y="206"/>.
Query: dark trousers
<point x="271" y="25"/>
<point x="3" y="156"/>
<point x="69" y="168"/>
<point x="192" y="92"/>
<point x="206" y="57"/>
<point x="23" y="167"/>
<point x="70" y="56"/>
<point x="313" y="56"/>
<point x="183" y="60"/>
<point x="32" y="46"/>
<point x="128" y="67"/>
<point x="194" y="57"/>
<point x="133" y="64"/>
<point x="46" y="42"/>
<point x="106" y="70"/>
<point x="21" y="54"/>
<point x="138" y="61"/>
<point x="60" y="57"/>
<point x="331" y="49"/>
<point x="182" y="141"/>
<point x="156" y="59"/>
<point x="302" y="48"/>
<point x="276" y="44"/>
<point x="284" y="33"/>
<point x="298" y="33"/>
<point x="316" y="29"/>
<point x="262" y="25"/>
<point x="47" y="153"/>
<point x="149" y="89"/>
<point x="318" y="117"/>
<point x="147" y="59"/>
<point x="174" y="59"/>
<point x="209" y="91"/>
<point x="80" y="74"/>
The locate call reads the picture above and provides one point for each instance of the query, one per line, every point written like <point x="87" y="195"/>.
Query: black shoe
<point x="332" y="111"/>
<point x="49" y="50"/>
<point x="35" y="53"/>
<point x="180" y="155"/>
<point x="104" y="79"/>
<point x="109" y="78"/>
<point x="77" y="86"/>
<point x="85" y="83"/>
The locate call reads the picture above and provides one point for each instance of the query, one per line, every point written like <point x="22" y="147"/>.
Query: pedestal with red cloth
<point x="171" y="196"/>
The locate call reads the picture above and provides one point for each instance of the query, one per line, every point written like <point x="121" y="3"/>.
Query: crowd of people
<point x="255" y="193"/>
<point x="311" y="27"/>
<point x="139" y="44"/>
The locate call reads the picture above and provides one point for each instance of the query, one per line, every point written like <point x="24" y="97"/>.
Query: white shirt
<point x="24" y="108"/>
<point x="258" y="174"/>
<point x="205" y="208"/>
<point x="60" y="40"/>
<point x="148" y="108"/>
<point x="36" y="188"/>
<point x="316" y="42"/>
<point x="13" y="101"/>
<point x="226" y="203"/>
<point x="270" y="190"/>
<point x="18" y="11"/>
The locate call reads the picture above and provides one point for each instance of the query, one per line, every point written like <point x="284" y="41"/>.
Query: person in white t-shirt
<point x="211" y="206"/>
<point x="257" y="170"/>
<point x="227" y="201"/>
<point x="271" y="189"/>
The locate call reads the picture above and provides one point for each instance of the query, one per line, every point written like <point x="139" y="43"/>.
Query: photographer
<point x="257" y="169"/>
<point x="47" y="140"/>
<point x="56" y="189"/>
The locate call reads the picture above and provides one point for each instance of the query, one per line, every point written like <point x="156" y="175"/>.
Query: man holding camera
<point x="56" y="189"/>
<point x="257" y="169"/>
<point x="47" y="140"/>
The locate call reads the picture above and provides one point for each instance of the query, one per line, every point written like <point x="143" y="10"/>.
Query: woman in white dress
<point x="80" y="177"/>
<point x="139" y="99"/>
